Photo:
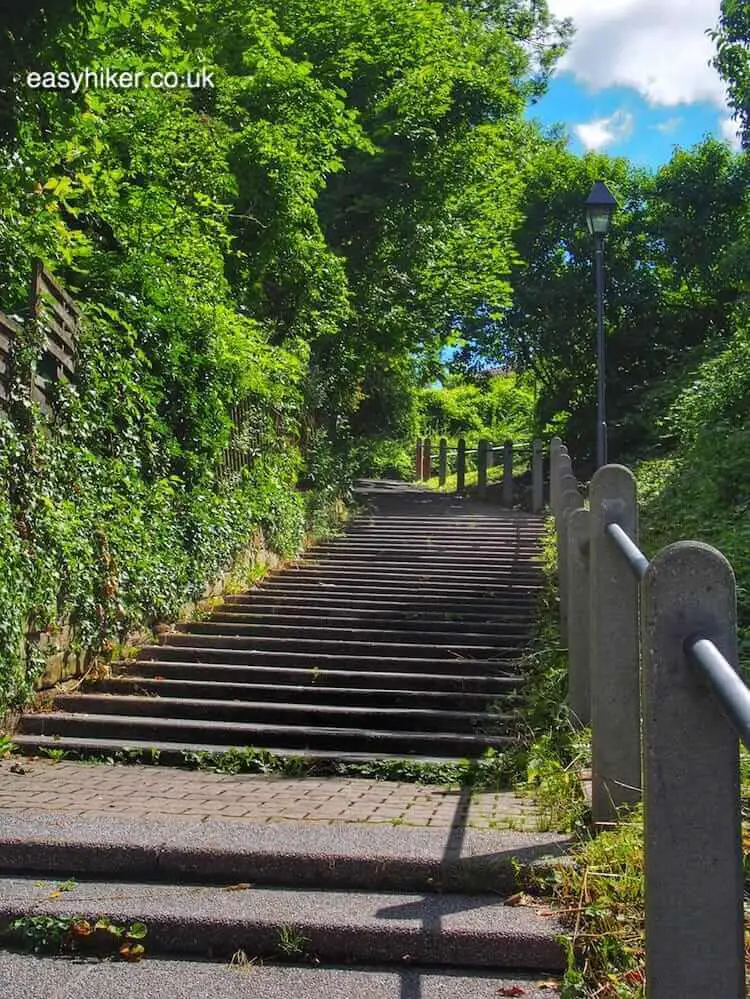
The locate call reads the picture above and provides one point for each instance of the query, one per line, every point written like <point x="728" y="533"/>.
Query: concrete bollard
<point x="482" y="449"/>
<point x="442" y="462"/>
<point x="579" y="675"/>
<point x="418" y="472"/>
<point x="565" y="483"/>
<point x="427" y="459"/>
<point x="614" y="649"/>
<point x="537" y="478"/>
<point x="461" y="465"/>
<point x="508" y="474"/>
<point x="554" y="473"/>
<point x="694" y="879"/>
<point x="570" y="499"/>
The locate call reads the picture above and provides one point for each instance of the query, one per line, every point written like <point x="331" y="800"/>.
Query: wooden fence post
<point x="482" y="449"/>
<point x="461" y="465"/>
<point x="427" y="459"/>
<point x="443" y="462"/>
<point x="418" y="475"/>
<point x="579" y="680"/>
<point x="693" y="834"/>
<point x="537" y="478"/>
<point x="508" y="474"/>
<point x="614" y="651"/>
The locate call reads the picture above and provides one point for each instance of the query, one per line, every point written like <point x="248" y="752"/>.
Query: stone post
<point x="554" y="473"/>
<point x="508" y="474"/>
<point x="443" y="462"/>
<point x="579" y="676"/>
<point x="694" y="878"/>
<point x="482" y="450"/>
<point x="418" y="474"/>
<point x="570" y="499"/>
<point x="461" y="465"/>
<point x="614" y="650"/>
<point x="427" y="459"/>
<point x="537" y="478"/>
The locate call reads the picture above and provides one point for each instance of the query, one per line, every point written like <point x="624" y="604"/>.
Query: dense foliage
<point x="733" y="59"/>
<point x="305" y="235"/>
<point x="670" y="297"/>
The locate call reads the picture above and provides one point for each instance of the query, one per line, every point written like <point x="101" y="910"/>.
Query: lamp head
<point x="600" y="206"/>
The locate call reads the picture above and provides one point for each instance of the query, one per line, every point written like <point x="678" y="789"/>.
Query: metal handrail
<point x="629" y="549"/>
<point x="725" y="682"/>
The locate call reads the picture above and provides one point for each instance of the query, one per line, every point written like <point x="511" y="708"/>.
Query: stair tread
<point x="160" y="977"/>
<point x="289" y="689"/>
<point x="473" y="929"/>
<point x="241" y="728"/>
<point x="216" y="704"/>
<point x="179" y="749"/>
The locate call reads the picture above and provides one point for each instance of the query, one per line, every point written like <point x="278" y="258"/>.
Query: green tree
<point x="733" y="59"/>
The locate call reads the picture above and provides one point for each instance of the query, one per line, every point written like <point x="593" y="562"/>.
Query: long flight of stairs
<point x="400" y="637"/>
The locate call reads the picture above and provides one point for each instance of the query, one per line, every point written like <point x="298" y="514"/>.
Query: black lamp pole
<point x="600" y="206"/>
<point x="601" y="366"/>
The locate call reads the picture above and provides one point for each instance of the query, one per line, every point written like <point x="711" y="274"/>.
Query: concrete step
<point x="474" y="931"/>
<point x="446" y="590"/>
<point x="429" y="550"/>
<point x="375" y="554"/>
<point x="385" y="574"/>
<point x="152" y="728"/>
<point x="288" y="712"/>
<point x="513" y="604"/>
<point x="312" y="692"/>
<point x="299" y="855"/>
<point x="157" y="978"/>
<point x="176" y="753"/>
<point x="326" y="677"/>
<point x="228" y="624"/>
<point x="316" y="647"/>
<point x="292" y="613"/>
<point x="200" y="653"/>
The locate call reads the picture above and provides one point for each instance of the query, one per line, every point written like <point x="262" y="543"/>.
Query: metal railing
<point x="653" y="669"/>
<point x="460" y="460"/>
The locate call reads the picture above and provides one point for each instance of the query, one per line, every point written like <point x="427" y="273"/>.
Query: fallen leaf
<point x="549" y="983"/>
<point x="240" y="886"/>
<point x="520" y="898"/>
<point x="511" y="990"/>
<point x="131" y="952"/>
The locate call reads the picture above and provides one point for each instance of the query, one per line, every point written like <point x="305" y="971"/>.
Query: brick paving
<point x="93" y="789"/>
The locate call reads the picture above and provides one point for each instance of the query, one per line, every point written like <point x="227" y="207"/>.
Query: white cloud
<point x="603" y="132"/>
<point x="669" y="125"/>
<point x="728" y="128"/>
<point x="658" y="47"/>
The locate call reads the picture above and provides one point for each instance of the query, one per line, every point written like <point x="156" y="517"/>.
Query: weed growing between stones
<point x="76" y="935"/>
<point x="291" y="943"/>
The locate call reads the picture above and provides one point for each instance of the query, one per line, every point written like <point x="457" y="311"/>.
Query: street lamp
<point x="600" y="206"/>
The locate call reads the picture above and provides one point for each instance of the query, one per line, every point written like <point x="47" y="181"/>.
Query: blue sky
<point x="636" y="81"/>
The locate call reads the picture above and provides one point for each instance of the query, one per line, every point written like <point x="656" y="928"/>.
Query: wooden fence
<point x="460" y="460"/>
<point x="652" y="648"/>
<point x="59" y="318"/>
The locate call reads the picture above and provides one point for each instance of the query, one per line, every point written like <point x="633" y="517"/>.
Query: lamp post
<point x="600" y="206"/>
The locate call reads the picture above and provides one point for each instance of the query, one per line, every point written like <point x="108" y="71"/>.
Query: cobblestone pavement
<point x="89" y="789"/>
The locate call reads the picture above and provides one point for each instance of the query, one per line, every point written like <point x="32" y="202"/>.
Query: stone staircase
<point x="401" y="637"/>
<point x="398" y="638"/>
